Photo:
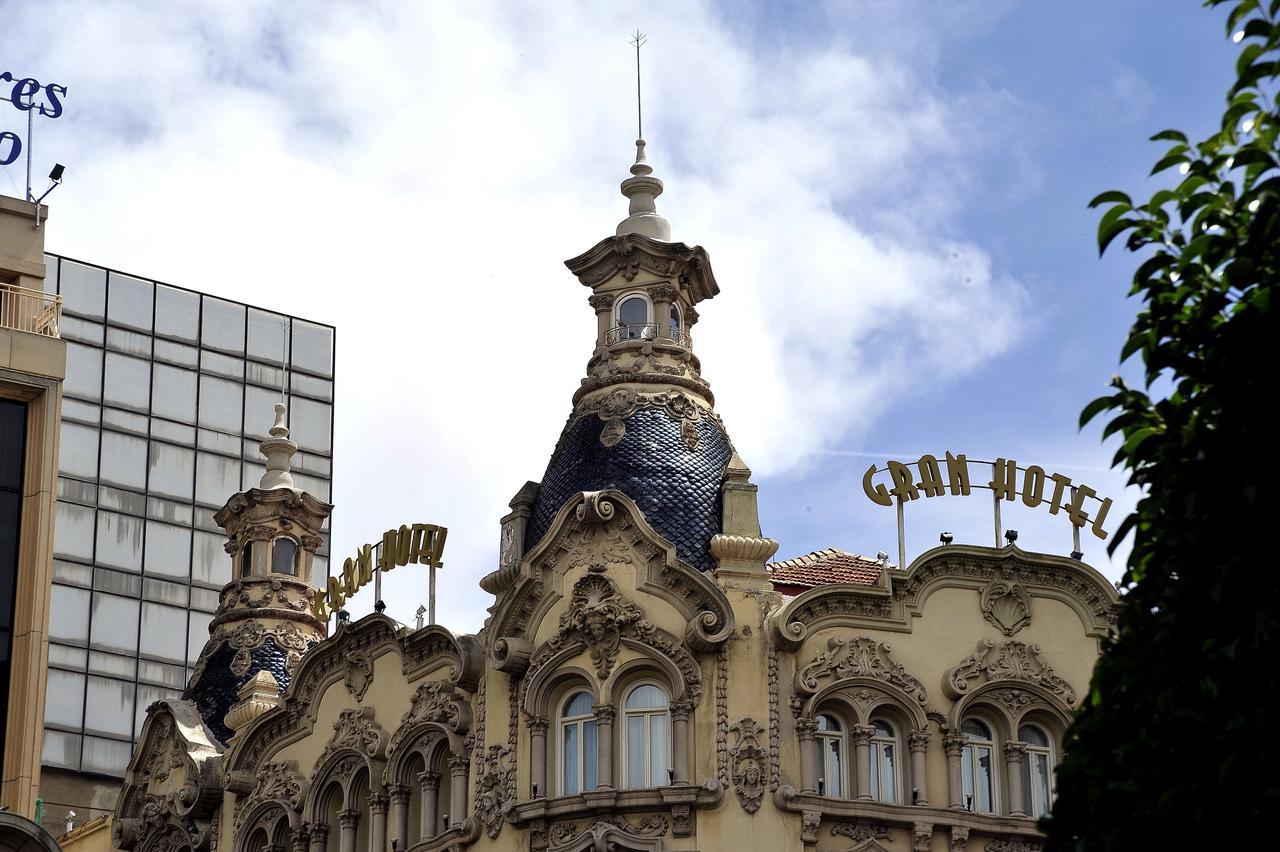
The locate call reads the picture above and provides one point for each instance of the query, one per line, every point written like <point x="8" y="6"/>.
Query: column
<point x="347" y="822"/>
<point x="458" y="792"/>
<point x="918" y="744"/>
<point x="954" y="744"/>
<point x="862" y="735"/>
<point x="602" y="304"/>
<point x="319" y="836"/>
<point x="605" y="714"/>
<point x="399" y="795"/>
<point x="429" y="783"/>
<point x="662" y="296"/>
<point x="538" y="757"/>
<point x="805" y="726"/>
<point x="680" y="711"/>
<point x="1014" y="754"/>
<point x="378" y="824"/>
<point x="300" y="838"/>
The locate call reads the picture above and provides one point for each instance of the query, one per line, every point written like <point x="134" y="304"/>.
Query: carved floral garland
<point x="1011" y="660"/>
<point x="857" y="657"/>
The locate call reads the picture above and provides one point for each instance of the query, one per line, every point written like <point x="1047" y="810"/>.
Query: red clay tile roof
<point x="823" y="567"/>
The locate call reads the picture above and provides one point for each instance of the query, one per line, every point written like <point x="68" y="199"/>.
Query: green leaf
<point x="1166" y="162"/>
<point x="1095" y="408"/>
<point x="1111" y="231"/>
<point x="1111" y="195"/>
<point x="1170" y="135"/>
<point x="1246" y="57"/>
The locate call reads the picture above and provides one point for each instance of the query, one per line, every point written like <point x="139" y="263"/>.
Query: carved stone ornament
<point x="1013" y="844"/>
<point x="437" y="701"/>
<point x="922" y="836"/>
<point x="359" y="673"/>
<point x="598" y="614"/>
<point x="250" y="635"/>
<point x="1007" y="605"/>
<point x="356" y="731"/>
<point x="614" y="409"/>
<point x="959" y="837"/>
<point x="1013" y="661"/>
<point x="495" y="781"/>
<point x="865" y="835"/>
<point x="609" y="833"/>
<point x="749" y="762"/>
<point x="857" y="657"/>
<point x="276" y="782"/>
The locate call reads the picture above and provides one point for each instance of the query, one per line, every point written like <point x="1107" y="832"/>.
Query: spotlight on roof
<point x="1011" y="536"/>
<point x="344" y="616"/>
<point x="55" y="175"/>
<point x="1077" y="555"/>
<point x="881" y="556"/>
<point x="946" y="538"/>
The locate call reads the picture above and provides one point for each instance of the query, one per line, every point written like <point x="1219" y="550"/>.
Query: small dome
<point x="218" y="689"/>
<point x="677" y="488"/>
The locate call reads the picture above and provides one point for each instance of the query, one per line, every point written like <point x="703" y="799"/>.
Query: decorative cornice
<point x="627" y="254"/>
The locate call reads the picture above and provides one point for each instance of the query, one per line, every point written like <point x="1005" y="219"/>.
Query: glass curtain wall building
<point x="168" y="393"/>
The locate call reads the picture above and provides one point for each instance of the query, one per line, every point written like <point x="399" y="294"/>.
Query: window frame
<point x="579" y="721"/>
<point x="297" y="557"/>
<point x="644" y="326"/>
<point x="840" y="736"/>
<point x="970" y="751"/>
<point x="646" y="713"/>
<point x="1033" y="753"/>
<point x="877" y="745"/>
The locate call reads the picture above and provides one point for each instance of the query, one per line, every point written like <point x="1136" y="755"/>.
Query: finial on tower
<point x="278" y="449"/>
<point x="641" y="189"/>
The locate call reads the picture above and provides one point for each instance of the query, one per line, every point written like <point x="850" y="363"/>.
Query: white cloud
<point x="416" y="173"/>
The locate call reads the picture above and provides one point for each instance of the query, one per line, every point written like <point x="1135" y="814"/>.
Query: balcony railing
<point x="642" y="331"/>
<point x="29" y="310"/>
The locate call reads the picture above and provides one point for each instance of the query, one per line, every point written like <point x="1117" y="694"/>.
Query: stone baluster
<point x="347" y="822"/>
<point x="538" y="756"/>
<point x="428" y="821"/>
<point x="862" y="735"/>
<point x="377" y="822"/>
<point x="918" y="745"/>
<point x="805" y="728"/>
<point x="319" y="836"/>
<point x="1014" y="754"/>
<point x="458" y="767"/>
<point x="605" y="714"/>
<point x="680" y="712"/>
<point x="399" y="795"/>
<point x="953" y="744"/>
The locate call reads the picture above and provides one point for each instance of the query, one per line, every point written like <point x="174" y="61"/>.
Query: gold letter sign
<point x="1005" y="483"/>
<point x="420" y="543"/>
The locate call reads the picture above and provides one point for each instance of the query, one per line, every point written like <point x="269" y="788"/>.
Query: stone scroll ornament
<point x="493" y="792"/>
<point x="1006" y="605"/>
<point x="1007" y="661"/>
<point x="859" y="656"/>
<point x="749" y="760"/>
<point x="599" y="615"/>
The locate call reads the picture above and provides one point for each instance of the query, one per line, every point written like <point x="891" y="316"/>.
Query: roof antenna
<point x="638" y="39"/>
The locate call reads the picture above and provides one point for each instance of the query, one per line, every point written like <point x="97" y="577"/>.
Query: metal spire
<point x="642" y="187"/>
<point x="638" y="39"/>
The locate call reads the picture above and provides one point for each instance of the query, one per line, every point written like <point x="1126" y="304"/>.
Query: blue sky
<point x="892" y="193"/>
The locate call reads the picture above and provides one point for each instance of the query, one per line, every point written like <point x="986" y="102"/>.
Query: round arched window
<point x="831" y="756"/>
<point x="633" y="319"/>
<point x="246" y="559"/>
<point x="884" y="762"/>
<point x="977" y="766"/>
<point x="646" y="737"/>
<point x="577" y="745"/>
<point x="1037" y="771"/>
<point x="284" y="556"/>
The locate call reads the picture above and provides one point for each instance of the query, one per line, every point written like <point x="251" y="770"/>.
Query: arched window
<point x="977" y="767"/>
<point x="633" y="319"/>
<point x="1037" y="771"/>
<point x="675" y="321"/>
<point x="577" y="745"/>
<point x="246" y="559"/>
<point x="831" y="757"/>
<point x="646" y="737"/>
<point x="284" y="556"/>
<point x="884" y="762"/>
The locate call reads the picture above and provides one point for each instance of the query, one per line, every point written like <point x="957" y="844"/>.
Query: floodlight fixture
<point x="946" y="537"/>
<point x="1011" y="536"/>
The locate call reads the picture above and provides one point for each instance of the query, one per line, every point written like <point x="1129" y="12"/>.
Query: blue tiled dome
<point x="217" y="688"/>
<point x="677" y="488"/>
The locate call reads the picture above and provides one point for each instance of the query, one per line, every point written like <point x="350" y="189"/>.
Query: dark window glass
<point x="246" y="559"/>
<point x="284" y="557"/>
<point x="13" y="441"/>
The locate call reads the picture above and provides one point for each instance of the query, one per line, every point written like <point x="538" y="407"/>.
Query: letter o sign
<point x="14" y="147"/>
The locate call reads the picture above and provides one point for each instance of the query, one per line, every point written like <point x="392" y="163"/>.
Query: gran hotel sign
<point x="927" y="476"/>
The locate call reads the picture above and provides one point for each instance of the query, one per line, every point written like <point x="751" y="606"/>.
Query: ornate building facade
<point x="647" y="679"/>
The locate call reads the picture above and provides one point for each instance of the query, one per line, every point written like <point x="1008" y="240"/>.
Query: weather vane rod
<point x="638" y="39"/>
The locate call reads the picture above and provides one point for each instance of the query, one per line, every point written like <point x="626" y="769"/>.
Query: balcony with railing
<point x="31" y="311"/>
<point x="644" y="331"/>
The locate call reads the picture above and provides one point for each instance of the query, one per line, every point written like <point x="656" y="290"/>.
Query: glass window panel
<point x="128" y="381"/>
<point x="659" y="750"/>
<point x="311" y="424"/>
<point x="115" y="624"/>
<point x="113" y="664"/>
<point x="205" y="600"/>
<point x="571" y="751"/>
<point x="85" y="331"/>
<point x="129" y="301"/>
<point x="1031" y="735"/>
<point x="635" y="751"/>
<point x="174" y="677"/>
<point x="78" y="451"/>
<point x="50" y="273"/>
<point x="875" y="771"/>
<point x="73" y="573"/>
<point x="222" y="365"/>
<point x="131" y="342"/>
<point x="167" y="510"/>
<point x="112" y="703"/>
<point x="227" y="443"/>
<point x="159" y="625"/>
<point x="122" y="501"/>
<point x="198" y="634"/>
<point x="888" y="773"/>
<point x="634" y="310"/>
<point x="312" y="348"/>
<point x="172" y="470"/>
<point x="61" y="749"/>
<point x="176" y="433"/>
<point x="69" y="614"/>
<point x="318" y="488"/>
<point x="83" y="412"/>
<point x="259" y="413"/>
<point x="177" y="313"/>
<point x="77" y="491"/>
<point x="73" y="532"/>
<point x="165" y="592"/>
<point x="983" y="781"/>
<point x="589" y="753"/>
<point x="966" y="775"/>
<point x="106" y="580"/>
<point x="264" y="374"/>
<point x="579" y="705"/>
<point x="217" y="478"/>
<point x="168" y="550"/>
<point x="646" y="696"/>
<point x="125" y="421"/>
<point x="284" y="556"/>
<point x="220" y="402"/>
<point x="173" y="394"/>
<point x="83" y="288"/>
<point x="974" y="728"/>
<point x="124" y="460"/>
<point x="147" y="695"/>
<point x="176" y="353"/>
<point x="311" y="386"/>
<point x="84" y="371"/>
<point x="209" y="562"/>
<point x="267" y="336"/>
<point x="835" y="767"/>
<point x="1043" y="791"/>
<point x="107" y="757"/>
<point x="65" y="655"/>
<point x="223" y="325"/>
<point x="119" y="541"/>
